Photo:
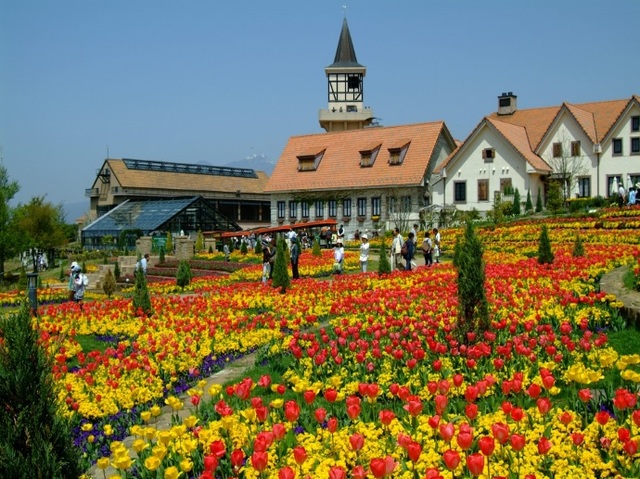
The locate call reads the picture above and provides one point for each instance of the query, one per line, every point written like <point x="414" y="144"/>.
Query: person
<point x="436" y="245"/>
<point x="273" y="250"/>
<point x="266" y="261"/>
<point x="328" y="235"/>
<point x="632" y="196"/>
<point x="225" y="250"/>
<point x="364" y="252"/>
<point x="415" y="232"/>
<point x="410" y="248"/>
<point x="142" y="264"/>
<point x="341" y="233"/>
<point x="71" y="289"/>
<point x="396" y="249"/>
<point x="79" y="282"/>
<point x="295" y="256"/>
<point x="427" y="249"/>
<point x="621" y="195"/>
<point x="338" y="256"/>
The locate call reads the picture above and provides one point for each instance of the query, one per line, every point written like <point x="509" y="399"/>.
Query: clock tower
<point x="346" y="110"/>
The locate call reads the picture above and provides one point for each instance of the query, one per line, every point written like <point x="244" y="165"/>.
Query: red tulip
<point x="636" y="417"/>
<point x="309" y="396"/>
<point x="382" y="467"/>
<point x="464" y="440"/>
<point x="260" y="460"/>
<point x="278" y="431"/>
<point x="413" y="406"/>
<point x="544" y="445"/>
<point x="291" y="411"/>
<point x="286" y="473"/>
<point x="195" y="400"/>
<point x="358" y="472"/>
<point x="331" y="395"/>
<point x="441" y="404"/>
<point x="218" y="449"/>
<point x="566" y="417"/>
<point x="237" y="458"/>
<point x="404" y="440"/>
<point x="433" y="473"/>
<point x="332" y="425"/>
<point x="534" y="391"/>
<point x="585" y="395"/>
<point x="624" y="434"/>
<point x="356" y="441"/>
<point x="320" y="414"/>
<point x="337" y="472"/>
<point x="451" y="459"/>
<point x="210" y="462"/>
<point x="475" y="464"/>
<point x="414" y="449"/>
<point x="434" y="421"/>
<point x="446" y="431"/>
<point x="299" y="454"/>
<point x="500" y="432"/>
<point x="517" y="442"/>
<point x="487" y="445"/>
<point x="602" y="417"/>
<point x="544" y="405"/>
<point x="471" y="411"/>
<point x="577" y="438"/>
<point x="386" y="416"/>
<point x="631" y="447"/>
<point x="517" y="414"/>
<point x="471" y="394"/>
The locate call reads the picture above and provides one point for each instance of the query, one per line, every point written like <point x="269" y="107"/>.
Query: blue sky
<point x="213" y="81"/>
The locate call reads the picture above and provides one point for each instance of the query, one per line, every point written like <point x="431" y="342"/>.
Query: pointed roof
<point x="340" y="169"/>
<point x="345" y="53"/>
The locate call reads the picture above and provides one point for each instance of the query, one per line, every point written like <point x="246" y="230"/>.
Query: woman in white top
<point x="364" y="253"/>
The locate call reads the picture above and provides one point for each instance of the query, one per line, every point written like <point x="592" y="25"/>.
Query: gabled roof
<point x="183" y="179"/>
<point x="518" y="138"/>
<point x="345" y="53"/>
<point x="340" y="167"/>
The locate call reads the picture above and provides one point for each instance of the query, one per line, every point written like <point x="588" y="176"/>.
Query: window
<point x="280" y="209"/>
<point x="304" y="209"/>
<point x="346" y="207"/>
<point x="375" y="206"/>
<point x="352" y="108"/>
<point x="634" y="180"/>
<point x="506" y="187"/>
<point x="405" y="202"/>
<point x="483" y="190"/>
<point x="391" y="204"/>
<point x="460" y="191"/>
<point x="617" y="146"/>
<point x="362" y="207"/>
<point x="353" y="82"/>
<point x="309" y="161"/>
<point x="319" y="209"/>
<point x="584" y="187"/>
<point x="613" y="183"/>
<point x="635" y="123"/>
<point x="635" y="146"/>
<point x="333" y="208"/>
<point x="557" y="150"/>
<point x="488" y="154"/>
<point x="293" y="209"/>
<point x="575" y="148"/>
<point x="397" y="152"/>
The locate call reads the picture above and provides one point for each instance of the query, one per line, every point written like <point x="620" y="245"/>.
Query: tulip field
<point x="361" y="375"/>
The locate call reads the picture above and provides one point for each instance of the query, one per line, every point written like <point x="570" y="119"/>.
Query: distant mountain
<point x="257" y="162"/>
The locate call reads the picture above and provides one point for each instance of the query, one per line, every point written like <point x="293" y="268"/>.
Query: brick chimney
<point x="507" y="103"/>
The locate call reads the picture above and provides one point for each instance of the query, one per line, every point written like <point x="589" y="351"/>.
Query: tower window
<point x="353" y="82"/>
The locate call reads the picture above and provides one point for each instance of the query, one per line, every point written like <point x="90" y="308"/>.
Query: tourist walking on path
<point x="427" y="249"/>
<point x="436" y="245"/>
<point x="396" y="250"/>
<point x="364" y="253"/>
<point x="409" y="251"/>
<point x="295" y="256"/>
<point x="338" y="256"/>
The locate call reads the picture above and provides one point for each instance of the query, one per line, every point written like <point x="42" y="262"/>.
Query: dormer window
<point x="369" y="154"/>
<point x="309" y="161"/>
<point x="398" y="151"/>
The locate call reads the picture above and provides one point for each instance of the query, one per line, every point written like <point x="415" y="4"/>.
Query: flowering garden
<point x="361" y="375"/>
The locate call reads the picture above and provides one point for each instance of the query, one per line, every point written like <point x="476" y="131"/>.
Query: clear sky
<point x="217" y="81"/>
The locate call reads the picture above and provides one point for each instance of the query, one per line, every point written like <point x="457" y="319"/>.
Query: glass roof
<point x="146" y="216"/>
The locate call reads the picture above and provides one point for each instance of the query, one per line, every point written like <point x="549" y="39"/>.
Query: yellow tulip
<point x="172" y="473"/>
<point x="152" y="463"/>
<point x="103" y="463"/>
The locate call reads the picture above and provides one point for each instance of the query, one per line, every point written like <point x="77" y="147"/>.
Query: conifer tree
<point x="35" y="441"/>
<point x="545" y="255"/>
<point x="258" y="249"/>
<point x="554" y="197"/>
<point x="528" y="207"/>
<point x="199" y="242"/>
<point x="244" y="249"/>
<point x="315" y="249"/>
<point x="539" y="202"/>
<point x="161" y="256"/>
<point x="516" y="203"/>
<point x="116" y="271"/>
<point x="169" y="243"/>
<point x="578" y="247"/>
<point x="384" y="267"/>
<point x="61" y="276"/>
<point x="109" y="286"/>
<point x="183" y="276"/>
<point x="141" y="299"/>
<point x="281" y="277"/>
<point x="473" y="307"/>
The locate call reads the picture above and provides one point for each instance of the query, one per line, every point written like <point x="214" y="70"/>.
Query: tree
<point x="568" y="164"/>
<point x="183" y="276"/>
<point x="258" y="249"/>
<point x="539" y="202"/>
<point x="384" y="267"/>
<point x="281" y="277"/>
<point x="244" y="249"/>
<point x="199" y="242"/>
<point x="169" y="244"/>
<point x="528" y="207"/>
<point x="578" y="247"/>
<point x="109" y="286"/>
<point x="116" y="271"/>
<point x="545" y="255"/>
<point x="35" y="441"/>
<point x="141" y="300"/>
<point x="554" y="197"/>
<point x="516" y="203"/>
<point x="8" y="190"/>
<point x="473" y="307"/>
<point x="315" y="249"/>
<point x="39" y="225"/>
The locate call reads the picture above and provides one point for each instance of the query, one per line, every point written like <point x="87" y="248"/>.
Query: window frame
<point x="281" y="208"/>
<point x="332" y="208"/>
<point x="616" y="144"/>
<point x="304" y="209"/>
<point x="556" y="150"/>
<point x="634" y="145"/>
<point x="405" y="204"/>
<point x="483" y="184"/>
<point x="584" y="186"/>
<point x="361" y="206"/>
<point x="635" y="123"/>
<point x="346" y="208"/>
<point x="576" y="149"/>
<point x="376" y="206"/>
<point x="293" y="209"/>
<point x="488" y="155"/>
<point x="319" y="208"/>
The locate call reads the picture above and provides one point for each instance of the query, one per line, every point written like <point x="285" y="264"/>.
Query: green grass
<point x="88" y="343"/>
<point x="626" y="341"/>
<point x="629" y="280"/>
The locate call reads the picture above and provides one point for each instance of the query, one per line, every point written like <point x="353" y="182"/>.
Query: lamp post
<point x="32" y="285"/>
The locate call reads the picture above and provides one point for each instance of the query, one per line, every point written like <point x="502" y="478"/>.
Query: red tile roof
<point x="340" y="165"/>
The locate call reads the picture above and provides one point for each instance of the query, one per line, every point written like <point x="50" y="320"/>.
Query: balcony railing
<point x="90" y="192"/>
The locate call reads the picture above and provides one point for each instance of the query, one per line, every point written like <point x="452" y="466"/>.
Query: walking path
<point x="611" y="283"/>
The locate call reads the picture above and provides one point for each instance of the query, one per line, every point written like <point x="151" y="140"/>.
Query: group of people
<point x="403" y="252"/>
<point x="631" y="198"/>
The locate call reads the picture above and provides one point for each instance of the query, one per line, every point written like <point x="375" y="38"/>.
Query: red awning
<point x="280" y="228"/>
